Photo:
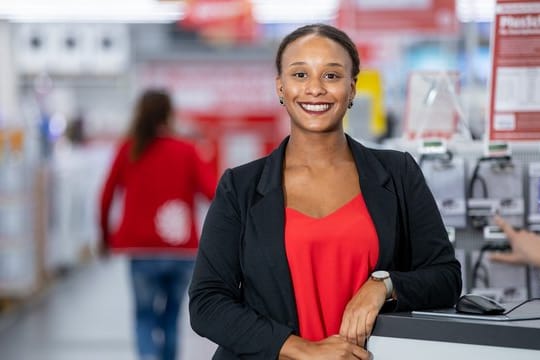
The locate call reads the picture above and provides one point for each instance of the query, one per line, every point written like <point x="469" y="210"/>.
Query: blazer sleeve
<point x="433" y="277"/>
<point x="216" y="306"/>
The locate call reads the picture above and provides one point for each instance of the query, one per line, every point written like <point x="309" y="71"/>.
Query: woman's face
<point x="316" y="83"/>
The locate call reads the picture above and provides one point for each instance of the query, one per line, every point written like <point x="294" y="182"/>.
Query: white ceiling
<point x="91" y="10"/>
<point x="265" y="11"/>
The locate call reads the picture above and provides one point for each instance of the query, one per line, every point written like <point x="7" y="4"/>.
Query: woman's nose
<point x="315" y="87"/>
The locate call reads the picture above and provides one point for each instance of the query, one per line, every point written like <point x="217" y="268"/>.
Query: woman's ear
<point x="353" y="84"/>
<point x="279" y="87"/>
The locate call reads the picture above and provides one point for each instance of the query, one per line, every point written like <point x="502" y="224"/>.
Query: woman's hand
<point x="332" y="348"/>
<point x="361" y="312"/>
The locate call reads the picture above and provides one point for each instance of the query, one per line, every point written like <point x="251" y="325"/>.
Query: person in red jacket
<point x="158" y="176"/>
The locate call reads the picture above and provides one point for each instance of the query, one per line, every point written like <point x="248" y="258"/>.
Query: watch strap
<point x="384" y="277"/>
<point x="389" y="287"/>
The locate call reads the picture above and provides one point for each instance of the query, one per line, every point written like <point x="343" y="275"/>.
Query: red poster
<point x="221" y="20"/>
<point x="419" y="16"/>
<point x="514" y="101"/>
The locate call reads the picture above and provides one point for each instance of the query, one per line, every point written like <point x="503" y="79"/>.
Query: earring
<point x="281" y="100"/>
<point x="350" y="105"/>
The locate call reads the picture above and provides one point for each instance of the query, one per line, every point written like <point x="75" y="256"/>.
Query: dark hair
<point x="326" y="31"/>
<point x="152" y="111"/>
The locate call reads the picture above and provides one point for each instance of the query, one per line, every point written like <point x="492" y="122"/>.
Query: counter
<point x="407" y="336"/>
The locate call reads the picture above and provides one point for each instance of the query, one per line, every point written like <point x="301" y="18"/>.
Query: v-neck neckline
<point x="330" y="214"/>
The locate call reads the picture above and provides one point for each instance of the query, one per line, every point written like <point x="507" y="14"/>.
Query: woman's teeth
<point x="315" y="107"/>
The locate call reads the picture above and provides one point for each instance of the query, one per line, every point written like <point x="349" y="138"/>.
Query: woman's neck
<point x="317" y="149"/>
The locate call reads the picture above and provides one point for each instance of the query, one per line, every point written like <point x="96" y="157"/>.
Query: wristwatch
<point x="384" y="276"/>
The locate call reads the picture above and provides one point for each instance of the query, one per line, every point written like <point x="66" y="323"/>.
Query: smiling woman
<point x="303" y="248"/>
<point x="316" y="89"/>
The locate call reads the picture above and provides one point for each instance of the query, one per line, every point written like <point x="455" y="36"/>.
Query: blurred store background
<point x="71" y="69"/>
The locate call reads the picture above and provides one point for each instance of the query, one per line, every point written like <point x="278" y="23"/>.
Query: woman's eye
<point x="300" y="75"/>
<point x="331" y="76"/>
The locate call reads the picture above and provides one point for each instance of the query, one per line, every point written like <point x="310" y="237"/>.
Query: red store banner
<point x="397" y="16"/>
<point x="378" y="26"/>
<point x="221" y="20"/>
<point x="514" y="101"/>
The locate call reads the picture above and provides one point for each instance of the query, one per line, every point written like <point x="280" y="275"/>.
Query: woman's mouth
<point x="315" y="108"/>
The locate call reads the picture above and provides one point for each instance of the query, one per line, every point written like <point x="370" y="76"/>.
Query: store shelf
<point x="18" y="246"/>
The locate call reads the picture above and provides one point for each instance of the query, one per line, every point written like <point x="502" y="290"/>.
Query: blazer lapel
<point x="268" y="217"/>
<point x="380" y="198"/>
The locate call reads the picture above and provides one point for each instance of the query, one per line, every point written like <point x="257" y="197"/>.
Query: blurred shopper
<point x="158" y="176"/>
<point x="301" y="249"/>
<point x="75" y="131"/>
<point x="525" y="245"/>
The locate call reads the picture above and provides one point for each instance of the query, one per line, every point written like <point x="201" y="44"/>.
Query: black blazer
<point x="241" y="294"/>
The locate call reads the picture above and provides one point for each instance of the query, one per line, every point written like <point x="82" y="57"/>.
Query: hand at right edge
<point x="525" y="245"/>
<point x="332" y="348"/>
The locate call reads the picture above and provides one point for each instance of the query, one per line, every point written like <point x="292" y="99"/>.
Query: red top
<point x="157" y="211"/>
<point x="329" y="259"/>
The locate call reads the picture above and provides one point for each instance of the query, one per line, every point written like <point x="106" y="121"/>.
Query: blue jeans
<point x="159" y="287"/>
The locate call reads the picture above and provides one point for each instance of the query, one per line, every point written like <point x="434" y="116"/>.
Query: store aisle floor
<point x="85" y="316"/>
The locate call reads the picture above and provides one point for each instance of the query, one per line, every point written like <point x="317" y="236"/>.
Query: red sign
<point x="221" y="20"/>
<point x="419" y="16"/>
<point x="514" y="104"/>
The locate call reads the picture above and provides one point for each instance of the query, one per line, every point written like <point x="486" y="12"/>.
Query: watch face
<point x="380" y="274"/>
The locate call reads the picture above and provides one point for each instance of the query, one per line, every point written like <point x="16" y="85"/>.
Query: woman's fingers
<point x="338" y="347"/>
<point x="362" y="354"/>
<point x="360" y="337"/>
<point x="357" y="326"/>
<point x="361" y="311"/>
<point x="370" y="322"/>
